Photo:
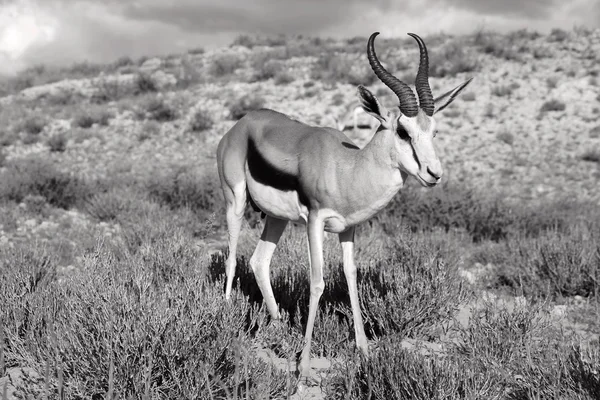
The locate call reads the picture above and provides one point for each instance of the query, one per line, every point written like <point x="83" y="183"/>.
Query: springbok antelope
<point x="316" y="176"/>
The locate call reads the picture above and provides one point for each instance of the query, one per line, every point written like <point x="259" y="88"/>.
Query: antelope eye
<point x="402" y="133"/>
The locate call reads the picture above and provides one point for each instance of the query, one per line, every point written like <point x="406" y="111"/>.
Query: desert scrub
<point x="506" y="137"/>
<point x="155" y="108"/>
<point x="126" y="327"/>
<point x="554" y="264"/>
<point x="449" y="207"/>
<point x="32" y="125"/>
<point x="88" y="117"/>
<point x="502" y="91"/>
<point x="184" y="187"/>
<point x="500" y="354"/>
<point x="224" y="64"/>
<point x="453" y="59"/>
<point x="57" y="142"/>
<point x="38" y="176"/>
<point x="265" y="67"/>
<point x="143" y="83"/>
<point x="114" y="203"/>
<point x="335" y="67"/>
<point x="553" y="105"/>
<point x="283" y="78"/>
<point x="243" y="105"/>
<point x="591" y="155"/>
<point x="500" y="46"/>
<point x="200" y="120"/>
<point x="411" y="290"/>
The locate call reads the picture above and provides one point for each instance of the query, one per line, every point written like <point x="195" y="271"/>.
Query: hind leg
<point x="236" y="202"/>
<point x="261" y="261"/>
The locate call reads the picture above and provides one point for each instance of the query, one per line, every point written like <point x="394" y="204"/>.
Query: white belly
<point x="276" y="203"/>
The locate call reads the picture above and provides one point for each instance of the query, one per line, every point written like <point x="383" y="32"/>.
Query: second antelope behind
<point x="316" y="176"/>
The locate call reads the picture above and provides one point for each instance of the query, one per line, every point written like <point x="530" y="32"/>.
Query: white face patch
<point x="416" y="154"/>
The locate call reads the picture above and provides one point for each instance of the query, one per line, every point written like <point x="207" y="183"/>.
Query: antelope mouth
<point x="425" y="182"/>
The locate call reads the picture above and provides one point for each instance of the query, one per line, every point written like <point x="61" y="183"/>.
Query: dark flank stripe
<point x="267" y="174"/>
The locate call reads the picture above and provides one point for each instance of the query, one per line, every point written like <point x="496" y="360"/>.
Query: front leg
<point x="317" y="285"/>
<point x="347" y="242"/>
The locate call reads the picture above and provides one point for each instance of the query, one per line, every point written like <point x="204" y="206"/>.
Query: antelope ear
<point x="373" y="107"/>
<point x="444" y="100"/>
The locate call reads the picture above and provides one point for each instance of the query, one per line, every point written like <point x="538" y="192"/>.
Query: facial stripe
<point x="415" y="154"/>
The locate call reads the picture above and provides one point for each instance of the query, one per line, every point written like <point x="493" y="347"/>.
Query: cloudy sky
<point x="64" y="31"/>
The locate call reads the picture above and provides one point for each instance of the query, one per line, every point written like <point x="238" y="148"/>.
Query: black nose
<point x="432" y="174"/>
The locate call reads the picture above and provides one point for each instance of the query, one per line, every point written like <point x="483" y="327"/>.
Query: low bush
<point x="554" y="264"/>
<point x="265" y="67"/>
<point x="500" y="355"/>
<point x="553" y="105"/>
<point x="452" y="60"/>
<point x="88" y="117"/>
<point x="200" y="120"/>
<point x="133" y="326"/>
<point x="283" y="78"/>
<point x="185" y="188"/>
<point x="448" y="208"/>
<point x="591" y="155"/>
<point x="224" y="64"/>
<point x="57" y="142"/>
<point x="334" y="67"/>
<point x="157" y="109"/>
<point x="32" y="125"/>
<point x="40" y="177"/>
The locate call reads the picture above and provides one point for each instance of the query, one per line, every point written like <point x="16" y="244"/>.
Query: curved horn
<point x="408" y="102"/>
<point x="422" y="81"/>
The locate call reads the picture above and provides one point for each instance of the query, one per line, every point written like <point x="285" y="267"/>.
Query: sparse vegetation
<point x="335" y="67"/>
<point x="553" y="105"/>
<point x="196" y="51"/>
<point x="591" y="155"/>
<point x="452" y="59"/>
<point x="200" y="120"/>
<point x="57" y="142"/>
<point x="499" y="46"/>
<point x="558" y="35"/>
<point x="506" y="137"/>
<point x="283" y="78"/>
<point x="502" y="91"/>
<point x="225" y="64"/>
<point x="32" y="125"/>
<point x="469" y="96"/>
<point x="157" y="109"/>
<point x="37" y="176"/>
<point x="265" y="67"/>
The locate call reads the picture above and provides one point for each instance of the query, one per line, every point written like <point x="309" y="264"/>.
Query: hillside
<point x="528" y="126"/>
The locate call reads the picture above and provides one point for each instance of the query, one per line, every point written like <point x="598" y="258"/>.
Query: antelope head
<point x="413" y="124"/>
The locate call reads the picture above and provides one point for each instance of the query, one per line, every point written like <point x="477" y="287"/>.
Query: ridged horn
<point x="422" y="81"/>
<point x="408" y="101"/>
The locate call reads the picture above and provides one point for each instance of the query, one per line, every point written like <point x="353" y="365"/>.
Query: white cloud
<point x="22" y="25"/>
<point x="64" y="31"/>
